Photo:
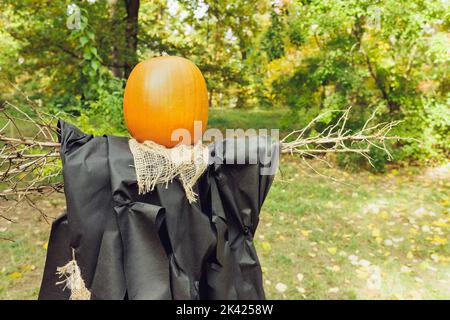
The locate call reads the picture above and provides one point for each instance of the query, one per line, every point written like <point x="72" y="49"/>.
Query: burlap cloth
<point x="156" y="164"/>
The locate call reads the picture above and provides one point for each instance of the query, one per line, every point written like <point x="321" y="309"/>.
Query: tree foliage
<point x="309" y="55"/>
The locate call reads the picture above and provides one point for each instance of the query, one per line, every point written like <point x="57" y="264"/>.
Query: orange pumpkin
<point x="163" y="94"/>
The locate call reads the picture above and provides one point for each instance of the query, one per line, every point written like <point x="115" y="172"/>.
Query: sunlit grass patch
<point x="373" y="236"/>
<point x="23" y="249"/>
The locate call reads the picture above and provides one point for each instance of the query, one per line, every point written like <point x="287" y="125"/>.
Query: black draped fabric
<point x="158" y="245"/>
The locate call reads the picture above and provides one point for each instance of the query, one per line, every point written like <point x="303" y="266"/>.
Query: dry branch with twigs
<point x="30" y="164"/>
<point x="338" y="138"/>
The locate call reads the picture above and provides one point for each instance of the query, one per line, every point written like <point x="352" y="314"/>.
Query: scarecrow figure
<point x="150" y="219"/>
<point x="160" y="215"/>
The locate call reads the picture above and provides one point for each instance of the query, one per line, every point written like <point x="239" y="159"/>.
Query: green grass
<point x="23" y="245"/>
<point x="243" y="119"/>
<point x="396" y="226"/>
<point x="374" y="237"/>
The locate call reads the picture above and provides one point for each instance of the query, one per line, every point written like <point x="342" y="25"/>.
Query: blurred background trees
<point x="311" y="56"/>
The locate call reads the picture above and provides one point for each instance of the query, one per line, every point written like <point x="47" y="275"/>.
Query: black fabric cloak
<point x="158" y="245"/>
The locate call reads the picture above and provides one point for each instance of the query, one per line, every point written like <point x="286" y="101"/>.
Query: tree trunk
<point x="241" y="101"/>
<point x="116" y="67"/>
<point x="131" y="35"/>
<point x="358" y="32"/>
<point x="210" y="98"/>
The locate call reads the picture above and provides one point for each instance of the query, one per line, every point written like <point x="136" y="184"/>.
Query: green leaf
<point x="83" y="40"/>
<point x="87" y="56"/>
<point x="95" y="65"/>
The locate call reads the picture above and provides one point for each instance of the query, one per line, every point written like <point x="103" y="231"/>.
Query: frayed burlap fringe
<point x="155" y="164"/>
<point x="72" y="280"/>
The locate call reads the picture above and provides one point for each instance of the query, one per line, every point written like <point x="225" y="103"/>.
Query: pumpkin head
<point x="164" y="94"/>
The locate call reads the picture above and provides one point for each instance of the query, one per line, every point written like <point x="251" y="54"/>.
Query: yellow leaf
<point x="266" y="246"/>
<point x="332" y="250"/>
<point x="440" y="240"/>
<point x="361" y="274"/>
<point x="27" y="267"/>
<point x="15" y="275"/>
<point x="376" y="233"/>
<point x="329" y="205"/>
<point x="335" y="268"/>
<point x="45" y="246"/>
<point x="410" y="255"/>
<point x="441" y="224"/>
<point x="305" y="233"/>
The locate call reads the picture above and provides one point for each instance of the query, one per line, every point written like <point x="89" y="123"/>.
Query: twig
<point x="337" y="138"/>
<point x="31" y="165"/>
<point x="30" y="142"/>
<point x="28" y="164"/>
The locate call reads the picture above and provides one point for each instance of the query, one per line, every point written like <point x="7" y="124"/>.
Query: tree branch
<point x="31" y="165"/>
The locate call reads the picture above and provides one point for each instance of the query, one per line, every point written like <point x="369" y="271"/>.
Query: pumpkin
<point x="164" y="94"/>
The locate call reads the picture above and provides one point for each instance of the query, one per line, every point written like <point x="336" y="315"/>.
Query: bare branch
<point x="30" y="165"/>
<point x="30" y="142"/>
<point x="338" y="138"/>
<point x="29" y="156"/>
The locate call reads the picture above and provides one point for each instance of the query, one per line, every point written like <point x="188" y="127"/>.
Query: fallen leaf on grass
<point x="305" y="233"/>
<point x="332" y="250"/>
<point x="334" y="268"/>
<point x="364" y="263"/>
<point x="333" y="290"/>
<point x="266" y="246"/>
<point x="301" y="290"/>
<point x="405" y="269"/>
<point x="439" y="240"/>
<point x="376" y="233"/>
<point x="384" y="215"/>
<point x="15" y="275"/>
<point x="435" y="257"/>
<point x="362" y="274"/>
<point x="27" y="267"/>
<point x="281" y="287"/>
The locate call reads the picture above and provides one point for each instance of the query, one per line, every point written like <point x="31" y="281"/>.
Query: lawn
<point x="337" y="235"/>
<point x="243" y="119"/>
<point x="366" y="237"/>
